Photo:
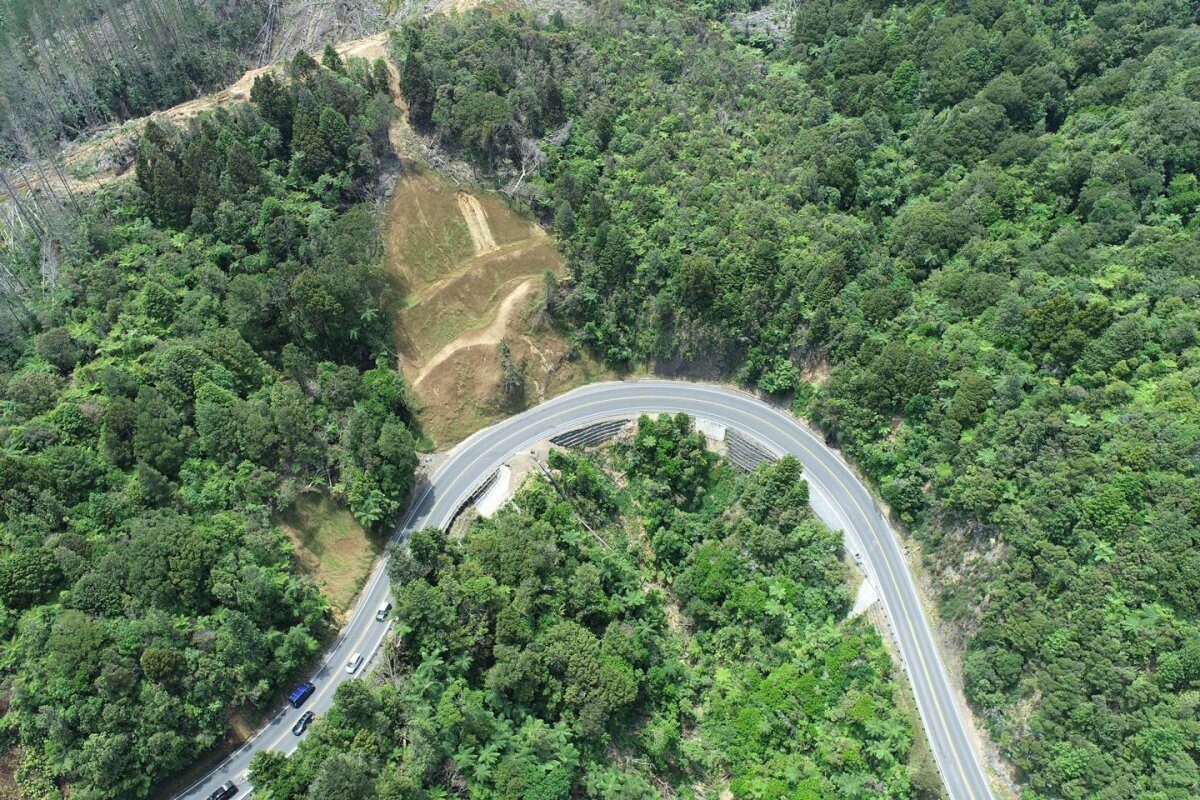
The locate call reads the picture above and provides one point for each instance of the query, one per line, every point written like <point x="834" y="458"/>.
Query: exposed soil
<point x="463" y="264"/>
<point x="9" y="761"/>
<point x="491" y="334"/>
<point x="477" y="224"/>
<point x="429" y="237"/>
<point x="468" y="270"/>
<point x="816" y="370"/>
<point x="469" y="300"/>
<point x="460" y="396"/>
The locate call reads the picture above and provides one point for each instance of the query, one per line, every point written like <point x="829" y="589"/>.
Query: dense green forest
<point x="215" y="345"/>
<point x="675" y="637"/>
<point x="964" y="237"/>
<point x="73" y="65"/>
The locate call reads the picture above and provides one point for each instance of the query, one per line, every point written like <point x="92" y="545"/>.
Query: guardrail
<point x="475" y="494"/>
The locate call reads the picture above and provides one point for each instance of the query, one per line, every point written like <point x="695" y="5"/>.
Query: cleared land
<point x="467" y="268"/>
<point x="331" y="548"/>
<point x="469" y="271"/>
<point x="108" y="155"/>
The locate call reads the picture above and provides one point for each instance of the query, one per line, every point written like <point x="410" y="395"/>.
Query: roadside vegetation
<point x="681" y="636"/>
<point x="964" y="237"/>
<point x="210" y="347"/>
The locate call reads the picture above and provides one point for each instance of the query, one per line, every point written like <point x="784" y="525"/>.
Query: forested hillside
<point x="72" y="65"/>
<point x="980" y="221"/>
<point x="212" y="345"/>
<point x="675" y="637"/>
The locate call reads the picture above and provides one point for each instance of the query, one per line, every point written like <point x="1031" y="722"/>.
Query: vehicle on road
<point x="354" y="662"/>
<point x="301" y="693"/>
<point x="224" y="791"/>
<point x="383" y="611"/>
<point x="302" y="724"/>
<point x="850" y="502"/>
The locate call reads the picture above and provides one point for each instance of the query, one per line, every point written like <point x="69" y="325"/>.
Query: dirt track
<point x="477" y="223"/>
<point x="465" y="264"/>
<point x="86" y="162"/>
<point x="491" y="334"/>
<point x="469" y="271"/>
<point x="461" y="261"/>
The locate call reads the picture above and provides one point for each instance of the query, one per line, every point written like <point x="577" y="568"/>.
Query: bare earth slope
<point x="469" y="271"/>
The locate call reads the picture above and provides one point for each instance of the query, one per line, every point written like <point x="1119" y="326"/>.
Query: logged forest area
<point x="74" y="66"/>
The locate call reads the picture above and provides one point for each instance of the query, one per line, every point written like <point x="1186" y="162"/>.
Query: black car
<point x="226" y="791"/>
<point x="302" y="724"/>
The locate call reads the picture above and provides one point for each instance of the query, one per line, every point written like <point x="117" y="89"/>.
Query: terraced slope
<point x="470" y="273"/>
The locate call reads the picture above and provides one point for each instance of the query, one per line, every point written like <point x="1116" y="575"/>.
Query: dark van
<point x="300" y="694"/>
<point x="224" y="791"/>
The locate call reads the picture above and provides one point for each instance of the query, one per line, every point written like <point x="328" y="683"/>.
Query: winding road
<point x="838" y="497"/>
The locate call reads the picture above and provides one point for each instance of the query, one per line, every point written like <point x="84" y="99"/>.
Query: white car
<point x="383" y="611"/>
<point x="354" y="663"/>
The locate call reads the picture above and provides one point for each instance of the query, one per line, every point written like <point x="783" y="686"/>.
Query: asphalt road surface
<point x="838" y="497"/>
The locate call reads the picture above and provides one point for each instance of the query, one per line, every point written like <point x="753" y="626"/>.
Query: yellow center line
<point x="541" y="422"/>
<point x="651" y="398"/>
<point x="891" y="575"/>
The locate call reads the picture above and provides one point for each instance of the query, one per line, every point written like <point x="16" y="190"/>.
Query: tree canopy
<point x="681" y="636"/>
<point x="213" y="348"/>
<point x="963" y="237"/>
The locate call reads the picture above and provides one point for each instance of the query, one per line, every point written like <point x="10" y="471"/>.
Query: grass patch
<point x="445" y="294"/>
<point x="331" y="548"/>
<point x="426" y="236"/>
<point x="470" y="299"/>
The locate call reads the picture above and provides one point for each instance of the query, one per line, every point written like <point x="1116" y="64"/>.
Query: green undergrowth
<point x="680" y="636"/>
